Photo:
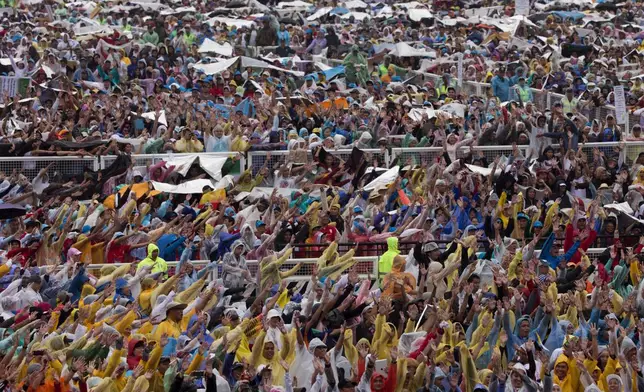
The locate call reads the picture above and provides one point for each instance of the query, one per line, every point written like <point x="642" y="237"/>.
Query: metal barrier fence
<point x="257" y="159"/>
<point x="365" y="266"/>
<point x="430" y="154"/>
<point x="64" y="167"/>
<point x="72" y="167"/>
<point x="378" y="248"/>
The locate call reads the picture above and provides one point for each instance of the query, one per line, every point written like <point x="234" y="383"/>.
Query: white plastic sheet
<point x="188" y="187"/>
<point x="216" y="68"/>
<point x="402" y="49"/>
<point x="621" y="207"/>
<point x="212" y="165"/>
<point x="319" y="13"/>
<point x="7" y="62"/>
<point x="230" y="22"/>
<point x="251" y="62"/>
<point x="210" y="46"/>
<point x="151" y="115"/>
<point x="178" y="10"/>
<point x="294" y="4"/>
<point x="356" y="15"/>
<point x="484" y="171"/>
<point x="416" y="14"/>
<point x="181" y="163"/>
<point x="353" y="4"/>
<point x="384" y="179"/>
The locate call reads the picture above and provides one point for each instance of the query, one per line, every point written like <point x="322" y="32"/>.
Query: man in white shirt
<point x="30" y="295"/>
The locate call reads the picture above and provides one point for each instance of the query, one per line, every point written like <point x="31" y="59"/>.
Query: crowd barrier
<point x="147" y="160"/>
<point x="73" y="167"/>
<point x="64" y="167"/>
<point x="257" y="159"/>
<point x="366" y="266"/>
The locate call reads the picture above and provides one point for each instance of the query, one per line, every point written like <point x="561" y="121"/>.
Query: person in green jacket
<point x="151" y="36"/>
<point x="386" y="261"/>
<point x="153" y="259"/>
<point x="356" y="69"/>
<point x="189" y="37"/>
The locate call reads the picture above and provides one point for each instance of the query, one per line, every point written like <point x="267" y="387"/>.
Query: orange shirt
<point x="50" y="385"/>
<point x="406" y="279"/>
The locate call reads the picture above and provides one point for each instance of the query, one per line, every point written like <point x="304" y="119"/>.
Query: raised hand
<point x="163" y="341"/>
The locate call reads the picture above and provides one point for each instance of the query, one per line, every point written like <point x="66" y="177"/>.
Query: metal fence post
<point x="249" y="163"/>
<point x="548" y="100"/>
<point x="375" y="268"/>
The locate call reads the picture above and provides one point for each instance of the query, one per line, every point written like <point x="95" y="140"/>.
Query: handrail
<point x="255" y="159"/>
<point x="302" y="275"/>
<point x="44" y="158"/>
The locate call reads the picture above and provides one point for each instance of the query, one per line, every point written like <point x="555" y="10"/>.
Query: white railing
<point x="429" y="154"/>
<point x="65" y="166"/>
<point x="366" y="265"/>
<point x="74" y="167"/>
<point x="257" y="159"/>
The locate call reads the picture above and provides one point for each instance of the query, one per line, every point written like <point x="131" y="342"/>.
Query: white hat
<point x="272" y="313"/>
<point x="519" y="367"/>
<point x="612" y="316"/>
<point x="315" y="343"/>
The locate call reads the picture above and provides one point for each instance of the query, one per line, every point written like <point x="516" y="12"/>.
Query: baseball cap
<point x="429" y="247"/>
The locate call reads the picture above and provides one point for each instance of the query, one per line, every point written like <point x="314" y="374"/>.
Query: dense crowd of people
<point x="517" y="271"/>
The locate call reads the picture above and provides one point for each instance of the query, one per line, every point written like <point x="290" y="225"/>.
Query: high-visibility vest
<point x="568" y="106"/>
<point x="524" y="94"/>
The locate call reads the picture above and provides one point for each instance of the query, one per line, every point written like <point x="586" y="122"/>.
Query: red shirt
<point x="216" y="91"/>
<point x="118" y="253"/>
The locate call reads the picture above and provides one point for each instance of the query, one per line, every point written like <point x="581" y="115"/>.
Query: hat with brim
<point x="429" y="247"/>
<point x="176" y="306"/>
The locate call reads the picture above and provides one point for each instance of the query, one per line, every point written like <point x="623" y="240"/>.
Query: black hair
<point x="32" y="223"/>
<point x="472" y="277"/>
